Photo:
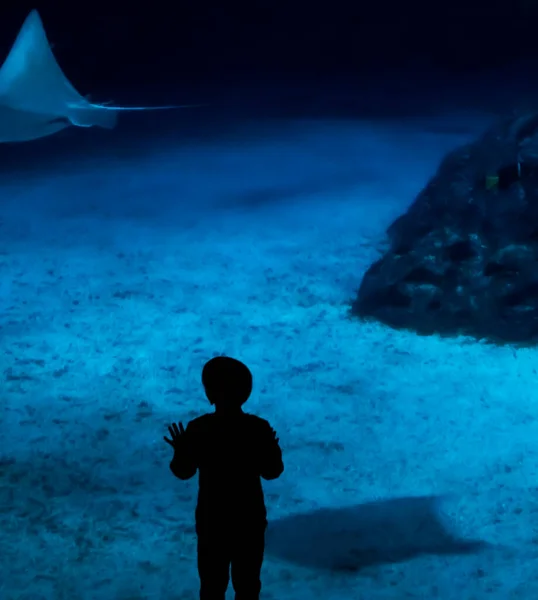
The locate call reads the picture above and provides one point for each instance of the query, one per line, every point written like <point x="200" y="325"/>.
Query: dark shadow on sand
<point x="351" y="538"/>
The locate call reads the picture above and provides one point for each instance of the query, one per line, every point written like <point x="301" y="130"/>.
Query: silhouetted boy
<point x="231" y="450"/>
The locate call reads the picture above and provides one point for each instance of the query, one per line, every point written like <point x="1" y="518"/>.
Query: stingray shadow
<point x="355" y="537"/>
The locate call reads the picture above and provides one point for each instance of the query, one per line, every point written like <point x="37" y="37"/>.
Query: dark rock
<point x="464" y="258"/>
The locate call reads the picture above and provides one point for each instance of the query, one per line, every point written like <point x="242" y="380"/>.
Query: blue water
<point x="129" y="257"/>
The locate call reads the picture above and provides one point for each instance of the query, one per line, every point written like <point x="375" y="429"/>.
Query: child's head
<point x="227" y="382"/>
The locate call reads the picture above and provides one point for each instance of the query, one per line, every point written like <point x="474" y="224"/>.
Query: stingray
<point x="37" y="99"/>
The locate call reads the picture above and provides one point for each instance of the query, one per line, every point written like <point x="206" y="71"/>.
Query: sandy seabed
<point x="108" y="316"/>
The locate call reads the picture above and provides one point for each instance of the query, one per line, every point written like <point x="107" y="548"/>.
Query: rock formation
<point x="464" y="258"/>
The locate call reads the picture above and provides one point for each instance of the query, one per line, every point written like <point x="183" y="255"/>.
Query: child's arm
<point x="183" y="464"/>
<point x="272" y="465"/>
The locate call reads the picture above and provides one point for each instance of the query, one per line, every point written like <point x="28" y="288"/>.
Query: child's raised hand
<point x="177" y="433"/>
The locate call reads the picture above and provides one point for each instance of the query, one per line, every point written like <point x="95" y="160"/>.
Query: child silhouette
<point x="231" y="450"/>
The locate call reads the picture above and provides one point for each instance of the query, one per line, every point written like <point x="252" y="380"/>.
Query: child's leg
<point x="247" y="558"/>
<point x="213" y="565"/>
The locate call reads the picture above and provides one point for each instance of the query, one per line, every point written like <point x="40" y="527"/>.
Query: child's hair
<point x="227" y="380"/>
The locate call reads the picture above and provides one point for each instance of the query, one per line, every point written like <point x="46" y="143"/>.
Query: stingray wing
<point x="31" y="81"/>
<point x="20" y="126"/>
<point x="37" y="99"/>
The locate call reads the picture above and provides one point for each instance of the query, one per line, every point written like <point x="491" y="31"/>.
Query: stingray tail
<point x="106" y="116"/>
<point x="93" y="116"/>
<point x="127" y="108"/>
